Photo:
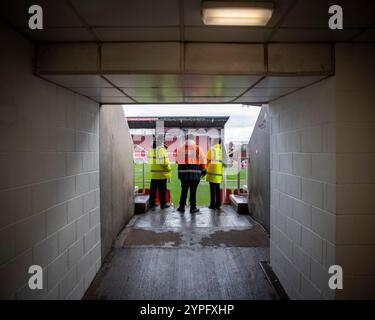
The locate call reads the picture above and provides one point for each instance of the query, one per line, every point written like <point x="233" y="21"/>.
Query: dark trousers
<point x="161" y="185"/>
<point x="185" y="186"/>
<point x="215" y="195"/>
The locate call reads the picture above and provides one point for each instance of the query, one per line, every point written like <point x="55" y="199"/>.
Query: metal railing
<point x="143" y="173"/>
<point x="236" y="159"/>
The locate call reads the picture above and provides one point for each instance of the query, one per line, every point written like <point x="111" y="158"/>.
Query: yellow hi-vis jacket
<point x="159" y="161"/>
<point x="214" y="164"/>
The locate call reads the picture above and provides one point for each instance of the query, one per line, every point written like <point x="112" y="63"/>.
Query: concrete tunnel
<point x="66" y="178"/>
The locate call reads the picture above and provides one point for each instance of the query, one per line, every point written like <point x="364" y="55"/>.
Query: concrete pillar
<point x="49" y="181"/>
<point x="303" y="184"/>
<point x="322" y="181"/>
<point x="355" y="145"/>
<point x="116" y="174"/>
<point x="259" y="169"/>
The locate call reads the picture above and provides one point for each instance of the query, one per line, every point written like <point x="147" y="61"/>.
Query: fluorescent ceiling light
<point x="236" y="13"/>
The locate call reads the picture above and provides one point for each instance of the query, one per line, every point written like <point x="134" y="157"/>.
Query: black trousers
<point x="185" y="186"/>
<point x="161" y="185"/>
<point x="215" y="195"/>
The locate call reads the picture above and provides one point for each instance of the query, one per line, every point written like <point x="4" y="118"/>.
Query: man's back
<point x="191" y="162"/>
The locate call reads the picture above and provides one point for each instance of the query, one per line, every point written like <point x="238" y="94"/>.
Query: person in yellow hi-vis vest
<point x="215" y="172"/>
<point x="160" y="172"/>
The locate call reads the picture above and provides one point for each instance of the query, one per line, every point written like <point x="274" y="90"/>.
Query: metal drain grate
<point x="273" y="280"/>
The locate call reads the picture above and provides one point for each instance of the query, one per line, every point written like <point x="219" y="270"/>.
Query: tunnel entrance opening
<point x="210" y="254"/>
<point x="231" y="123"/>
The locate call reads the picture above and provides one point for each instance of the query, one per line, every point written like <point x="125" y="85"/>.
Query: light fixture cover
<point x="236" y="13"/>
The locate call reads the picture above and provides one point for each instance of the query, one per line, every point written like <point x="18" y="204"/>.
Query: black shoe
<point x="194" y="210"/>
<point x="211" y="207"/>
<point x="165" y="206"/>
<point x="180" y="209"/>
<point x="152" y="208"/>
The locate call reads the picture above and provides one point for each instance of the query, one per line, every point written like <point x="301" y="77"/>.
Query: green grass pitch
<point x="203" y="193"/>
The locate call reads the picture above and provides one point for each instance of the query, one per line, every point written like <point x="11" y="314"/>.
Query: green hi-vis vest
<point x="214" y="164"/>
<point x="159" y="161"/>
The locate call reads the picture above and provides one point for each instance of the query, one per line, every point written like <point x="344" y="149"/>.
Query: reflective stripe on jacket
<point x="159" y="161"/>
<point x="191" y="162"/>
<point x="214" y="164"/>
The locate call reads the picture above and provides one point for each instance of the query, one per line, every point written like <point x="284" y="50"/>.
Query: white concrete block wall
<point x="356" y="169"/>
<point x="49" y="181"/>
<point x="303" y="185"/>
<point x="323" y="180"/>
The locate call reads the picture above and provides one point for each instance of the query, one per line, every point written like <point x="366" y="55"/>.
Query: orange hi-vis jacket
<point x="191" y="162"/>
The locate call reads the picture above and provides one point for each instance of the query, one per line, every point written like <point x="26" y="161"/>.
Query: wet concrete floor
<point x="165" y="254"/>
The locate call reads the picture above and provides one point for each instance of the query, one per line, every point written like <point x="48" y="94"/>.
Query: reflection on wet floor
<point x="165" y="254"/>
<point x="170" y="228"/>
<point x="206" y="218"/>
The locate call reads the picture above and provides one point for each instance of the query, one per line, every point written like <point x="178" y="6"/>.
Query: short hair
<point x="218" y="139"/>
<point x="190" y="136"/>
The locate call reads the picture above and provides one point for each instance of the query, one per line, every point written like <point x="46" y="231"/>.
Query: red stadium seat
<point x="168" y="196"/>
<point x="227" y="198"/>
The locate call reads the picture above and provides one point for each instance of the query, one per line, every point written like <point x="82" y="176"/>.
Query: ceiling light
<point x="236" y="13"/>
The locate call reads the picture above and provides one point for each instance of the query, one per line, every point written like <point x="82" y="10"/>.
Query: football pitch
<point x="203" y="193"/>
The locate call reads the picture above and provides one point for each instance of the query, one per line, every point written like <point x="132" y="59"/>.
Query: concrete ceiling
<point x="127" y="32"/>
<point x="180" y="20"/>
<point x="144" y="89"/>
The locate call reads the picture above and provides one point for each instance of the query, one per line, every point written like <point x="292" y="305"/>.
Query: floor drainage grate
<point x="273" y="280"/>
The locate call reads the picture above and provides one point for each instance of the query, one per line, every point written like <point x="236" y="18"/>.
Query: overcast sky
<point x="238" y="128"/>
